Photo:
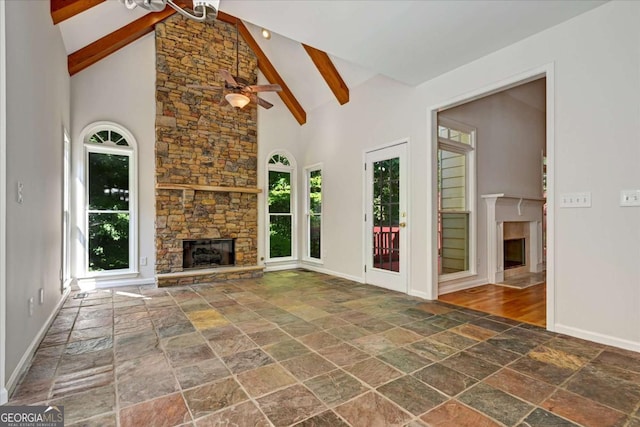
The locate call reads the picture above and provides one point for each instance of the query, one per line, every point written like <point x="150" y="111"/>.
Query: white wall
<point x="509" y="142"/>
<point x="37" y="111"/>
<point x="277" y="130"/>
<point x="510" y="139"/>
<point x="120" y="89"/>
<point x="597" y="74"/>
<point x="378" y="112"/>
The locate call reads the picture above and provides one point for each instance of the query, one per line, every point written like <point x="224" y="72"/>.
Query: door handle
<point x="403" y="224"/>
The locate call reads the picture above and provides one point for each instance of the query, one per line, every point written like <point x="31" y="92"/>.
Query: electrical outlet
<point x="143" y="260"/>
<point x="576" y="200"/>
<point x="30" y="306"/>
<point x="630" y="198"/>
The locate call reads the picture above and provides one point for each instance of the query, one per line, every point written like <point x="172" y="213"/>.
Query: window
<point x="280" y="200"/>
<point x="314" y="212"/>
<point x="66" y="211"/>
<point x="110" y="179"/>
<point x="456" y="199"/>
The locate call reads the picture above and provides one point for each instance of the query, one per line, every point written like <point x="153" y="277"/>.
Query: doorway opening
<point x="500" y="189"/>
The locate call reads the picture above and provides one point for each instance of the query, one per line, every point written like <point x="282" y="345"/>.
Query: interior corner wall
<point x="38" y="109"/>
<point x="597" y="116"/>
<point x="277" y="130"/>
<point x="510" y="139"/>
<point x="119" y="89"/>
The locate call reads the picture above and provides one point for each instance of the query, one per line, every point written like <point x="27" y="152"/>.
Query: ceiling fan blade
<point x="264" y="88"/>
<point x="261" y="102"/>
<point x="228" y="78"/>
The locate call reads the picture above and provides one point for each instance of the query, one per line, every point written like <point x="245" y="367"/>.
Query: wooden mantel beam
<point x="267" y="68"/>
<point x="65" y="9"/>
<point x="88" y="55"/>
<point x="329" y="73"/>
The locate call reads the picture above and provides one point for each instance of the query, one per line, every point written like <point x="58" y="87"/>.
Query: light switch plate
<point x="629" y="197"/>
<point x="576" y="200"/>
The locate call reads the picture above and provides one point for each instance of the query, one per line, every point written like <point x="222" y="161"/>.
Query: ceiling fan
<point x="239" y="91"/>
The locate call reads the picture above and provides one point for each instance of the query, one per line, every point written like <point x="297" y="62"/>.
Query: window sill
<point x="275" y="261"/>
<point x="313" y="261"/>
<point x="456" y="276"/>
<point x="119" y="274"/>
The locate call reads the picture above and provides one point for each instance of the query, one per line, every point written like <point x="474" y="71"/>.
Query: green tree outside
<point x="108" y="229"/>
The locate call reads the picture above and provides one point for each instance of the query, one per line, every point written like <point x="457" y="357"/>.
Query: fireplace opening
<point x="207" y="253"/>
<point x="514" y="253"/>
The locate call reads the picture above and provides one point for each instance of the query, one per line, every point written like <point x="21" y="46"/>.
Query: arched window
<point x="281" y="218"/>
<point x="111" y="244"/>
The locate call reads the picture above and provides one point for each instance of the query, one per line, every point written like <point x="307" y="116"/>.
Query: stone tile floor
<point x="301" y="348"/>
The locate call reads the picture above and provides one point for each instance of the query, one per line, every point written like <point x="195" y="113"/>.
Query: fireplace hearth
<point x="208" y="253"/>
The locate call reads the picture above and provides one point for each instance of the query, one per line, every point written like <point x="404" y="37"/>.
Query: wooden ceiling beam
<point x="88" y="55"/>
<point x="65" y="9"/>
<point x="329" y="73"/>
<point x="267" y="68"/>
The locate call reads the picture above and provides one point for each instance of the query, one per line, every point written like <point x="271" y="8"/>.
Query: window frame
<point x="292" y="170"/>
<point x="307" y="212"/>
<point x="471" y="197"/>
<point x="66" y="210"/>
<point x="129" y="150"/>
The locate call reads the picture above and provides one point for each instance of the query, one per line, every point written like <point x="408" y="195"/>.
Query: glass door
<point x="386" y="218"/>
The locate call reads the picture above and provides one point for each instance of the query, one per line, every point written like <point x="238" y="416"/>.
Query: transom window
<point x="281" y="203"/>
<point x="110" y="180"/>
<point x="279" y="159"/>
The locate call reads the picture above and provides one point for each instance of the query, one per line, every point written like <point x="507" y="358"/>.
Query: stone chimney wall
<point x="200" y="143"/>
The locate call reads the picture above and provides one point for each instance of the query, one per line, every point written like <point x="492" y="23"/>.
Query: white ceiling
<point x="409" y="41"/>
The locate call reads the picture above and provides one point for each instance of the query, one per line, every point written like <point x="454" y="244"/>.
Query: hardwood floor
<point x="525" y="305"/>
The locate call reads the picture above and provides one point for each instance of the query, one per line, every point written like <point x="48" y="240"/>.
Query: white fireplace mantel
<point x="503" y="208"/>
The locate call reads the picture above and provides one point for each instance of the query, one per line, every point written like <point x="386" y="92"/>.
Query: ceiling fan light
<point x="237" y="100"/>
<point x="266" y="33"/>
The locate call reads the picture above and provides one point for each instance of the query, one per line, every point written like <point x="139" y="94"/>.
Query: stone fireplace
<point x="206" y="156"/>
<point x="514" y="230"/>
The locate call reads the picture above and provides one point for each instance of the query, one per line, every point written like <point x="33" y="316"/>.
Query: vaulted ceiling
<point x="319" y="49"/>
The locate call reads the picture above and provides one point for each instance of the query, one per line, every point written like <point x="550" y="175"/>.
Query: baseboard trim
<point x="596" y="337"/>
<point x="444" y="288"/>
<point x="419" y="294"/>
<point x="281" y="267"/>
<point x="28" y="354"/>
<point x="323" y="270"/>
<point x="89" y="284"/>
